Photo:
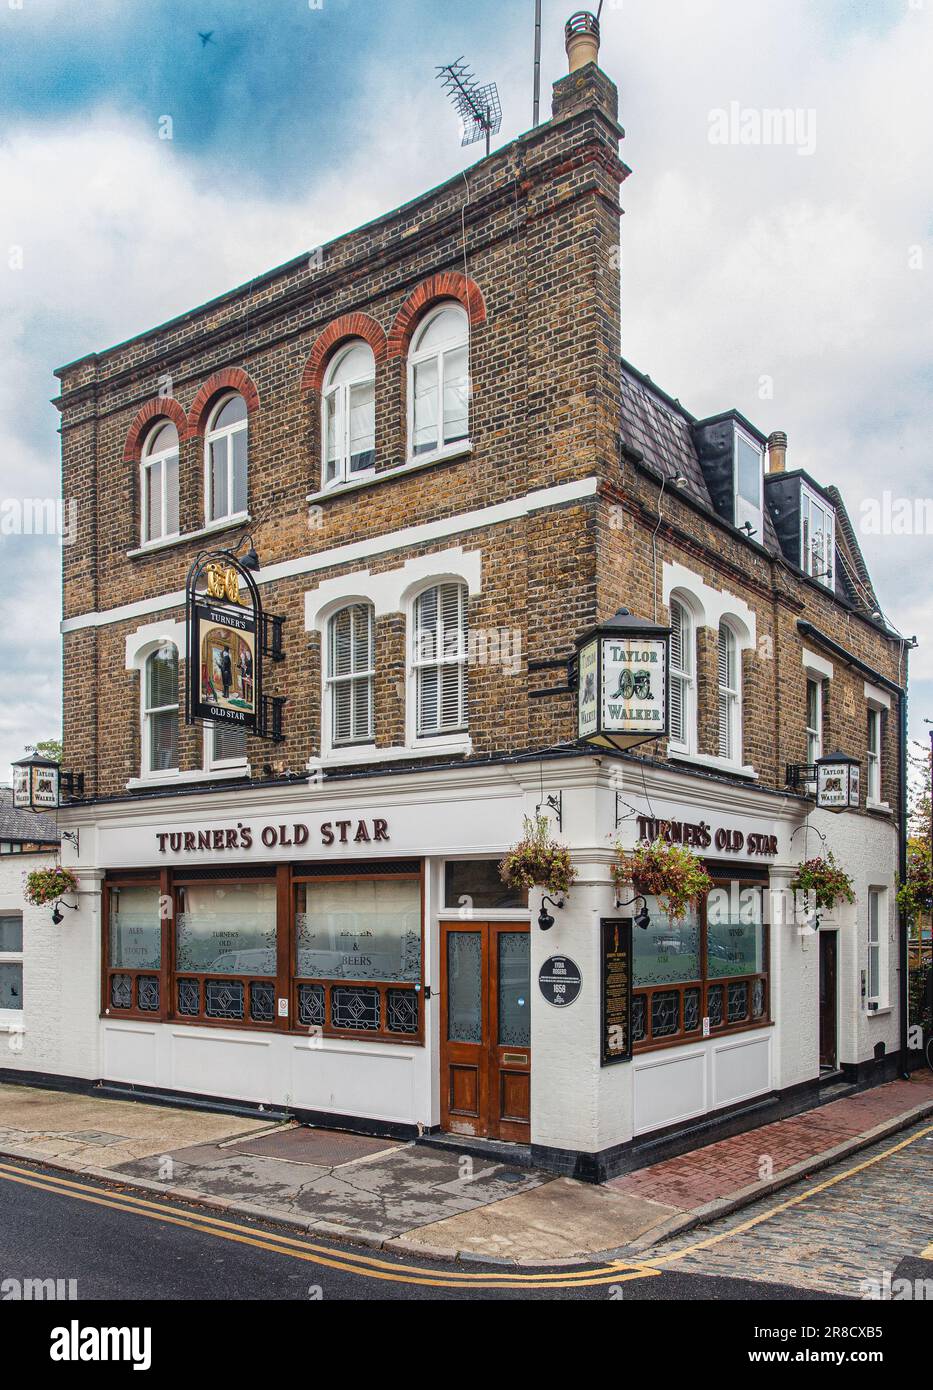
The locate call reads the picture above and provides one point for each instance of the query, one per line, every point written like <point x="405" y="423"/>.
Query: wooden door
<point x="486" y="1030"/>
<point x="828" y="999"/>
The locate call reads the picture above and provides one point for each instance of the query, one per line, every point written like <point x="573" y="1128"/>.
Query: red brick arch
<point x="160" y="407"/>
<point x="347" y="326"/>
<point x="450" y="284"/>
<point x="230" y="379"/>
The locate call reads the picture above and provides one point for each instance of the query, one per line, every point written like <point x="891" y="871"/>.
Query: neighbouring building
<point x="446" y="473"/>
<point x="27" y="841"/>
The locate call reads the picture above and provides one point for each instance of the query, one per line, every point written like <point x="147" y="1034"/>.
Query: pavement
<point x="416" y="1199"/>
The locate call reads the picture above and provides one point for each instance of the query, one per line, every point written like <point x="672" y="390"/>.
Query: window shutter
<point x="440" y="657"/>
<point x="726" y="668"/>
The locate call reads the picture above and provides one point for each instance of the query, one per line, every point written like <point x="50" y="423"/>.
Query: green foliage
<point x="538" y="860"/>
<point x="50" y="748"/>
<point x="48" y="885"/>
<point x="915" y="894"/>
<point x="671" y="873"/>
<point x="823" y="878"/>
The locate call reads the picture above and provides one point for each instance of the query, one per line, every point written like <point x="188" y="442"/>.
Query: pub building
<point x="351" y="540"/>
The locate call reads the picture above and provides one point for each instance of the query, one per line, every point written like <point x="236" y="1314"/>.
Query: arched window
<point x="159" y="483"/>
<point x="351" y="674"/>
<point x="683" y="674"/>
<point x="439" y="649"/>
<point x="730" y="695"/>
<point x="160" y="710"/>
<point x="349" y="414"/>
<point x="438" y="382"/>
<point x="225" y="458"/>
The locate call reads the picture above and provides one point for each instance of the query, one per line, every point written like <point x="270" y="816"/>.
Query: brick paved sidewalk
<point x="719" y="1172"/>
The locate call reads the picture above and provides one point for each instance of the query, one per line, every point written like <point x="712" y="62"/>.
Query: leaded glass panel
<point x="665" y="1013"/>
<point x="514" y="988"/>
<point x="311" y="1006"/>
<point x="639" y="1017"/>
<point x="147" y="993"/>
<point x="261" y="1001"/>
<point x="355" y="1008"/>
<point x="465" y="986"/>
<point x="402" y="1011"/>
<point x="189" y="997"/>
<point x="714" y="1005"/>
<point x="738" y="1002"/>
<point x="691" y="1010"/>
<point x="121" y="991"/>
<point x="758" y="998"/>
<point x="223" y="999"/>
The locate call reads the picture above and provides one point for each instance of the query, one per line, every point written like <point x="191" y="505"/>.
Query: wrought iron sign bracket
<point x="271" y="718"/>
<point x="73" y="784"/>
<point x="555" y="804"/>
<point x="72" y="837"/>
<point x="272" y="637"/>
<point x="799" y="774"/>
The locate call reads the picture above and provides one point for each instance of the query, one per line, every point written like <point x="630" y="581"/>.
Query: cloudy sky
<point x="792" y="281"/>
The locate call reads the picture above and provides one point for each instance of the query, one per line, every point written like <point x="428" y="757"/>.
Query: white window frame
<point x="212" y="436"/>
<point x="824" y="571"/>
<point x="743" y="510"/>
<point x="733" y="695"/>
<point x="13" y="1018"/>
<point x="814" y="732"/>
<point x="685" y="676"/>
<point x="877" y="932"/>
<point x="440" y="352"/>
<point x="212" y="764"/>
<point x="441" y="738"/>
<point x="331" y="681"/>
<point x="146" y="713"/>
<point x="147" y="463"/>
<point x="873" y="757"/>
<point x="343" y="391"/>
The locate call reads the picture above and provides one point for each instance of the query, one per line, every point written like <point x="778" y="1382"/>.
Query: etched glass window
<point x="735" y="933"/>
<point x="362" y="929"/>
<point x="668" y="952"/>
<point x="514" y="989"/>
<point x="465" y="986"/>
<point x="135" y="928"/>
<point x="226" y="928"/>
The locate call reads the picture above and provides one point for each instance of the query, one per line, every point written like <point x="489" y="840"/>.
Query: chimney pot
<point x="777" y="451"/>
<point x="581" y="36"/>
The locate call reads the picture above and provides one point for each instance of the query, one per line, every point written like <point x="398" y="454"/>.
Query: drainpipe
<point x="902" y="876"/>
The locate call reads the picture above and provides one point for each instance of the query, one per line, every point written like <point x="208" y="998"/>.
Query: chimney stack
<point x="777" y="451"/>
<point x="581" y="36"/>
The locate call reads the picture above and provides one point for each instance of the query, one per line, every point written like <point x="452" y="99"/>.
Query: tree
<point x="50" y="748"/>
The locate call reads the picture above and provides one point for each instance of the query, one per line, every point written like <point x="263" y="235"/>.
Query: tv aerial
<point x="479" y="108"/>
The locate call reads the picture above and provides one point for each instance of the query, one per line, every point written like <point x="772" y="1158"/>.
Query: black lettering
<point x="327" y="833"/>
<point x="380" y="829"/>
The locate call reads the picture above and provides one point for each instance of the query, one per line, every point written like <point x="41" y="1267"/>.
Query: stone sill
<point x="401" y="470"/>
<point x="221" y="774"/>
<point x="706" y="760"/>
<point x="226" y="523"/>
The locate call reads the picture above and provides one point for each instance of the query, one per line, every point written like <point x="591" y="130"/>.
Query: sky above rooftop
<point x="789" y="280"/>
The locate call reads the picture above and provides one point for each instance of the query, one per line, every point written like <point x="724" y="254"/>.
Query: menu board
<point x="615" y="942"/>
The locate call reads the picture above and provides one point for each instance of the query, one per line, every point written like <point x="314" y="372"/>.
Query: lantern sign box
<point x="838" y="780"/>
<point x="622" y="674"/>
<point x="36" y="784"/>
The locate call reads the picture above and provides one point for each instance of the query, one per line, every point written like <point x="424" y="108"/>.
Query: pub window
<point x="11" y="963"/>
<point x="814" y="720"/>
<point x="225" y="460"/>
<point x="877" y="992"/>
<point x="730" y="695"/>
<point x="226" y="746"/>
<point x="438" y="383"/>
<point x="160" y="710"/>
<point x="477" y="884"/>
<point x="159" y="483"/>
<point x="133" y="980"/>
<point x="683" y="650"/>
<point x="351" y="674"/>
<point x="713" y="965"/>
<point x="439" y="645"/>
<point x="358" y="956"/>
<point x="225" y="951"/>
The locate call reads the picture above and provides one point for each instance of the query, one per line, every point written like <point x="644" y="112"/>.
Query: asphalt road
<point x="120" y="1246"/>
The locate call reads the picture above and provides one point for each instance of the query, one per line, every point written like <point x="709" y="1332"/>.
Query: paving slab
<point x="554" y="1221"/>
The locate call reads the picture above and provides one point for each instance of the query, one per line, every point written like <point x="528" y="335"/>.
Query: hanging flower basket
<point x="671" y="873"/>
<point x="538" y="860"/>
<point x="45" y="886"/>
<point x="823" y="878"/>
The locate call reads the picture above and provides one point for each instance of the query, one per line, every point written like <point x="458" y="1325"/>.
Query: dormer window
<point x="748" y="473"/>
<point x="817" y="537"/>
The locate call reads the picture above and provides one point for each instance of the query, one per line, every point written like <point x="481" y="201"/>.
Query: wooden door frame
<point x="489" y="1122"/>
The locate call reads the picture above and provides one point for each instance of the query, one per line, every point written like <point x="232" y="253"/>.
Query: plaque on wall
<point x="615" y="942"/>
<point x="559" y="981"/>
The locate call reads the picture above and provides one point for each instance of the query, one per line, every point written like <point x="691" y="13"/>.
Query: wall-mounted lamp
<point x="749" y="530"/>
<point x="545" y="920"/>
<point x="642" y="918"/>
<point x="57" y="916"/>
<point x="250" y="561"/>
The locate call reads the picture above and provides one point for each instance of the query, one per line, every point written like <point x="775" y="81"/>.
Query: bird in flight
<point x="205" y="38"/>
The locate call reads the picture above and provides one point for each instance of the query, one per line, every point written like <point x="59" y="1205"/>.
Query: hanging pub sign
<point x="838" y="780"/>
<point x="228" y="637"/>
<point x="36" y="783"/>
<point x="615" y="940"/>
<point x="622" y="683"/>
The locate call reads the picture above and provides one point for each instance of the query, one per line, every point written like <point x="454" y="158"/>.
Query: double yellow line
<point x="347" y="1261"/>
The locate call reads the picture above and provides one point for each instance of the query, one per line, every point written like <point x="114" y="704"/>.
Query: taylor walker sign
<point x="622" y="682"/>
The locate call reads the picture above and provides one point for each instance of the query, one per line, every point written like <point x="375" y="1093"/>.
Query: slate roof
<point x="660" y="430"/>
<point x="25" y="827"/>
